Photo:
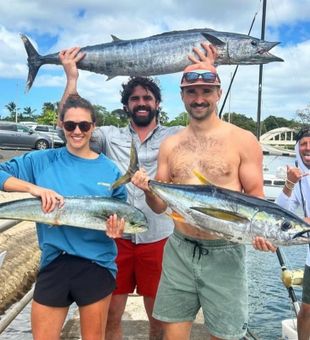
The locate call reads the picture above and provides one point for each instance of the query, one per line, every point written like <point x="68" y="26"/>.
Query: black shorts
<point x="70" y="279"/>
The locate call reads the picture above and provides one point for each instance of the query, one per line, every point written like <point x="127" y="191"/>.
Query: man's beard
<point x="142" y="120"/>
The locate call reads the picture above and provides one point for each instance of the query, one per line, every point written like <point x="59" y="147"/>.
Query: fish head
<point x="283" y="226"/>
<point x="299" y="233"/>
<point x="247" y="50"/>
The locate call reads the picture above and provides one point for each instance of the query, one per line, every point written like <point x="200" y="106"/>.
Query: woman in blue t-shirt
<point x="77" y="264"/>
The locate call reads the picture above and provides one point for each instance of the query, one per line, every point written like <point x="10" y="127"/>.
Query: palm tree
<point x="13" y="109"/>
<point x="28" y="111"/>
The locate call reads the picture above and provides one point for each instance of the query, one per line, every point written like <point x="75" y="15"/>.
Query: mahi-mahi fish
<point x="84" y="212"/>
<point x="158" y="54"/>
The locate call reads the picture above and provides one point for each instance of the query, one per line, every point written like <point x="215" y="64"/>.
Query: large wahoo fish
<point x="158" y="54"/>
<point x="83" y="212"/>
<point x="232" y="215"/>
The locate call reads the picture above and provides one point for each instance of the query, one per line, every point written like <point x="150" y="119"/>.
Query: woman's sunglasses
<point x="208" y="77"/>
<point x="84" y="126"/>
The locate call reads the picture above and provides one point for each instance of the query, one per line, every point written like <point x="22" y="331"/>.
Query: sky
<point x="56" y="25"/>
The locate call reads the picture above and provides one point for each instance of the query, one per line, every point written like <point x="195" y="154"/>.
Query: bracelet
<point x="289" y="185"/>
<point x="287" y="180"/>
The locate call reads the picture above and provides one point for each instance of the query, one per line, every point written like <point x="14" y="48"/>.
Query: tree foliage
<point x="304" y="115"/>
<point x="47" y="118"/>
<point x="118" y="117"/>
<point x="49" y="114"/>
<point x="13" y="111"/>
<point x="163" y="117"/>
<point x="241" y="120"/>
<point x="273" y="122"/>
<point x="180" y="120"/>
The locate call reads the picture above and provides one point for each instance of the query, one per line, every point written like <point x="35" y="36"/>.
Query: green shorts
<point x="306" y="286"/>
<point x="210" y="274"/>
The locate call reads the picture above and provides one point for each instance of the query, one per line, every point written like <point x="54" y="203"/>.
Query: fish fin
<point x="133" y="167"/>
<point x="115" y="38"/>
<point x="122" y="180"/>
<point x="110" y="77"/>
<point x="201" y="177"/>
<point x="176" y="216"/>
<point x="35" y="61"/>
<point x="221" y="214"/>
<point x="213" y="40"/>
<point x="136" y="228"/>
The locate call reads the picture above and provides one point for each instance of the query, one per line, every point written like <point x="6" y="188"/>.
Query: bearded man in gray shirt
<point x="139" y="257"/>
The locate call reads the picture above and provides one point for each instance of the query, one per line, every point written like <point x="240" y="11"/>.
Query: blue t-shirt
<point x="69" y="175"/>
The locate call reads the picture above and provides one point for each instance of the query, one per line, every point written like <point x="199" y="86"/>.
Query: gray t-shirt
<point x="115" y="143"/>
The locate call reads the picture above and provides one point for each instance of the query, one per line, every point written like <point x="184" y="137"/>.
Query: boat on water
<point x="273" y="185"/>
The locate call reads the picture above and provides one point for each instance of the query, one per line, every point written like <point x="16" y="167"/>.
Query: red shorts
<point x="139" y="267"/>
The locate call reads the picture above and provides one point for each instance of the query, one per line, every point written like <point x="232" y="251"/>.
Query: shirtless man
<point x="200" y="270"/>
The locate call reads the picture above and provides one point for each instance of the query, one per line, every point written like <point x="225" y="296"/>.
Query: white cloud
<point x="72" y="23"/>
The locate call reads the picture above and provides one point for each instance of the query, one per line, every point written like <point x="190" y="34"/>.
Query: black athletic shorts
<point x="70" y="279"/>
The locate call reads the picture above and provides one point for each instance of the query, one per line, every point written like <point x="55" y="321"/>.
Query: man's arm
<point x="69" y="58"/>
<point x="287" y="198"/>
<point x="140" y="179"/>
<point x="251" y="166"/>
<point x="251" y="178"/>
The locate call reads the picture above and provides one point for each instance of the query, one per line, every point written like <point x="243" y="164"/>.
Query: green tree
<point x="28" y="112"/>
<point x="241" y="120"/>
<point x="163" y="117"/>
<point x="13" y="110"/>
<point x="117" y="117"/>
<point x="100" y="113"/>
<point x="272" y="122"/>
<point x="304" y="115"/>
<point x="122" y="117"/>
<point x="49" y="114"/>
<point x="181" y="119"/>
<point x="48" y="118"/>
<point x="48" y="106"/>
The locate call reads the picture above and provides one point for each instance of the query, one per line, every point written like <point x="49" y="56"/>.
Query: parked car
<point x="51" y="132"/>
<point x="16" y="135"/>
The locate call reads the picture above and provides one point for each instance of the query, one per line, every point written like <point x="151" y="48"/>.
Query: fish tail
<point x="122" y="180"/>
<point x="133" y="167"/>
<point x="35" y="60"/>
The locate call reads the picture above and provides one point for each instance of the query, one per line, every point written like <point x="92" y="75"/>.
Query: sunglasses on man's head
<point x="208" y="77"/>
<point x="84" y="126"/>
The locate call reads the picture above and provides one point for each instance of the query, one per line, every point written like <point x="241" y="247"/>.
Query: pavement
<point x="6" y="154"/>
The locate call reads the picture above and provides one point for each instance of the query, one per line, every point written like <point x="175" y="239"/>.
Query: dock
<point x="134" y="323"/>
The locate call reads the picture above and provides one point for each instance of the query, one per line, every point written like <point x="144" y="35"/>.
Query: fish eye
<point x="286" y="225"/>
<point x="254" y="43"/>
